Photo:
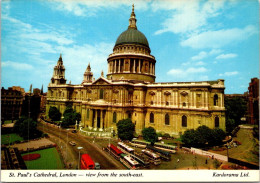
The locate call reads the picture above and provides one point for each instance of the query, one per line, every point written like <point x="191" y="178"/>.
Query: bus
<point x="139" y="143"/>
<point x="113" y="150"/>
<point x="165" y="155"/>
<point x="86" y="163"/>
<point x="140" y="159"/>
<point x="129" y="162"/>
<point x="165" y="147"/>
<point x="125" y="148"/>
<point x="152" y="156"/>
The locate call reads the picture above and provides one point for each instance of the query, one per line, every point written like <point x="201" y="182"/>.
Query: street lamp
<point x="79" y="155"/>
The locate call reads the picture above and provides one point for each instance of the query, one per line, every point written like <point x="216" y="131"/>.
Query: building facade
<point x="11" y="102"/>
<point x="129" y="91"/>
<point x="253" y="101"/>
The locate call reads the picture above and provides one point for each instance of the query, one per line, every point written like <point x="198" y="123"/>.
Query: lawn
<point x="12" y="137"/>
<point x="49" y="160"/>
<point x="244" y="151"/>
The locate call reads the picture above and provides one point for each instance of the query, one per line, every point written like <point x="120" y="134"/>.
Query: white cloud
<point x="189" y="74"/>
<point x="187" y="16"/>
<point x="200" y="63"/>
<point x="226" y="56"/>
<point x="53" y="36"/>
<point x="77" y="57"/>
<point x="219" y="38"/>
<point x="16" y="65"/>
<point x="200" y="56"/>
<point x="90" y="7"/>
<point x="229" y="73"/>
<point x="215" y="51"/>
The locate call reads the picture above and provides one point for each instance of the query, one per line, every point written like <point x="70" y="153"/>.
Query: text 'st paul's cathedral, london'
<point x="129" y="90"/>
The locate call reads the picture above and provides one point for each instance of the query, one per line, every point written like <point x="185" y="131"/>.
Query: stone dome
<point x="132" y="36"/>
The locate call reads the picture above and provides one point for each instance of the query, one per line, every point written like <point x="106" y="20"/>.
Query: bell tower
<point x="59" y="73"/>
<point x="88" y="75"/>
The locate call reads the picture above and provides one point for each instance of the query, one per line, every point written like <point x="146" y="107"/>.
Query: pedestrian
<point x="178" y="160"/>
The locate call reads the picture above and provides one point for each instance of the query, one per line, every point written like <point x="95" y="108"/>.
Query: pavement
<point x="35" y="144"/>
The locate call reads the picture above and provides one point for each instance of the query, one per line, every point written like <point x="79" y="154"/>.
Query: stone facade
<point x="253" y="101"/>
<point x="11" y="102"/>
<point x="130" y="91"/>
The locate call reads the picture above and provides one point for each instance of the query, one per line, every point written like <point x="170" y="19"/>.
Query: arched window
<point x="215" y="100"/>
<point x="151" y="117"/>
<point x="101" y="94"/>
<point x="216" y="122"/>
<point x="167" y="119"/>
<point x="114" y="117"/>
<point x="88" y="114"/>
<point x="184" y="121"/>
<point x="129" y="115"/>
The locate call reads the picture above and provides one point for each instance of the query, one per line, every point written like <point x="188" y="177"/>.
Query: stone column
<point x="119" y="65"/>
<point x="154" y="69"/>
<point x="195" y="99"/>
<point x="95" y="120"/>
<point x="101" y="119"/>
<point x="90" y="118"/>
<point x="134" y="67"/>
<point x="139" y="65"/>
<point x="115" y="66"/>
<point x="206" y="100"/>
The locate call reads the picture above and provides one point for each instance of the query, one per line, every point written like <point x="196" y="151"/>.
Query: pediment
<point x="167" y="93"/>
<point x="101" y="81"/>
<point x="184" y="93"/>
<point x="151" y="93"/>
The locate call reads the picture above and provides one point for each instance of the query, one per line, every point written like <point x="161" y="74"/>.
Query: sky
<point x="192" y="40"/>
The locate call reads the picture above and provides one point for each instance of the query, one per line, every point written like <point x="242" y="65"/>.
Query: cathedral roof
<point x="132" y="35"/>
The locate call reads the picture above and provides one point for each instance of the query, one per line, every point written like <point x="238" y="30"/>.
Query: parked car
<point x="72" y="143"/>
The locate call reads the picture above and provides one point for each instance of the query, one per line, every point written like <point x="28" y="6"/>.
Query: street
<point x="70" y="153"/>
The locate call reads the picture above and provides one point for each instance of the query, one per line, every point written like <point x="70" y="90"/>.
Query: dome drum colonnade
<point x="131" y="59"/>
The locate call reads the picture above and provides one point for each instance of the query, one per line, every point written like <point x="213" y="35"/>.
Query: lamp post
<point x="79" y="148"/>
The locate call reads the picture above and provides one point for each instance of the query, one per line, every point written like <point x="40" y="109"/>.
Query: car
<point x="97" y="166"/>
<point x="72" y="143"/>
<point x="74" y="131"/>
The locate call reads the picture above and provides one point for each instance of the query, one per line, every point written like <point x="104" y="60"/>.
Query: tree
<point x="70" y="117"/>
<point x="149" y="134"/>
<point x="189" y="138"/>
<point x="235" y="109"/>
<point x="54" y="114"/>
<point x="27" y="128"/>
<point x="203" y="136"/>
<point x="218" y="135"/>
<point x="125" y="129"/>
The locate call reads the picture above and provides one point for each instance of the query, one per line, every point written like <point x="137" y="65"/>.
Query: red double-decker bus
<point x="114" y="151"/>
<point x="86" y="163"/>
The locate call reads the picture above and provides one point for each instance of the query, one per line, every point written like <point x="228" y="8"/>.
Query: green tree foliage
<point x="203" y="136"/>
<point x="125" y="129"/>
<point x="27" y="128"/>
<point x="235" y="109"/>
<point x="54" y="114"/>
<point x="149" y="134"/>
<point x="190" y="138"/>
<point x="70" y="117"/>
<point x="218" y="135"/>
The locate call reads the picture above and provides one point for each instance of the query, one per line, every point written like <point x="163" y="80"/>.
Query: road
<point x="71" y="154"/>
